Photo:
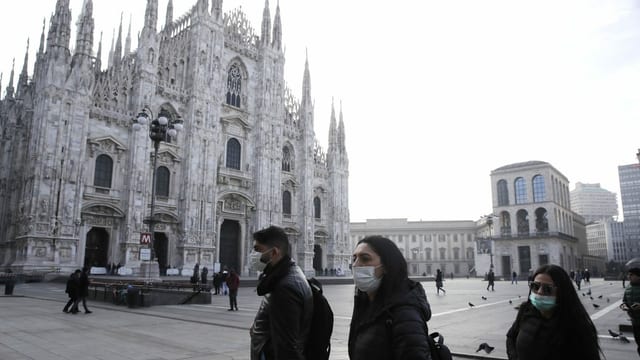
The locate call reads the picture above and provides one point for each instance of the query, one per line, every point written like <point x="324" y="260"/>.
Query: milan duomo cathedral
<point x="76" y="179"/>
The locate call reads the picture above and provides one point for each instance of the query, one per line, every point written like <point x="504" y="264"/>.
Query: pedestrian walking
<point x="586" y="275"/>
<point x="283" y="321"/>
<point x="552" y="323"/>
<point x="439" y="280"/>
<point x="390" y="311"/>
<point x="491" y="278"/>
<point x="203" y="276"/>
<point x="233" y="282"/>
<point x="217" y="282"/>
<point x="84" y="289"/>
<point x="73" y="291"/>
<point x="578" y="279"/>
<point x="631" y="303"/>
<point x="514" y="278"/>
<point x="224" y="274"/>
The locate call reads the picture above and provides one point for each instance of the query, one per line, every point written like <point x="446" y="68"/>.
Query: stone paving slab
<point x="34" y="327"/>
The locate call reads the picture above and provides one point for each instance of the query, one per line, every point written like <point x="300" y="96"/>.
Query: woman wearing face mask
<point x="552" y="323"/>
<point x="390" y="311"/>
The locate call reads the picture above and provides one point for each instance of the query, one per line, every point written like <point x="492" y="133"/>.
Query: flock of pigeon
<point x="488" y="348"/>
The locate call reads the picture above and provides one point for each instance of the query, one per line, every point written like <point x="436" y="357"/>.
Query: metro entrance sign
<point x="145" y="238"/>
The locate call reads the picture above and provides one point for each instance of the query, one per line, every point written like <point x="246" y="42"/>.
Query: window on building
<point x="469" y="253"/>
<point x="443" y="253"/>
<point x="503" y="193"/>
<point x="542" y="222"/>
<point x="286" y="203"/>
<point x="234" y="86"/>
<point x="456" y="254"/>
<point x="233" y="154"/>
<point x="523" y="222"/>
<point x="505" y="224"/>
<point x="286" y="159"/>
<point x="103" y="172"/>
<point x="427" y="252"/>
<point x="538" y="189"/>
<point x="520" y="190"/>
<point x="316" y="207"/>
<point x="162" y="181"/>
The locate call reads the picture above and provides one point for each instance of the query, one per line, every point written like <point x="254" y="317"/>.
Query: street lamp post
<point x="165" y="125"/>
<point x="489" y="222"/>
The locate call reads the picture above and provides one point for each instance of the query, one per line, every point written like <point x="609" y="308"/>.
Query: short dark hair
<point x="273" y="236"/>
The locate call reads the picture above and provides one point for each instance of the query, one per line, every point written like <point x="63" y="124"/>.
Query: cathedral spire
<point x="151" y="16"/>
<point x="127" y="42"/>
<point x="110" y="61"/>
<point x="24" y="75"/>
<point x="333" y="132"/>
<point x="9" y="91"/>
<point x="266" y="24"/>
<point x="41" y="48"/>
<point x="84" y="33"/>
<point x="341" y="135"/>
<point x="99" y="55"/>
<point x="216" y="9"/>
<point x="169" y="17"/>
<point x="117" y="53"/>
<point x="306" y="81"/>
<point x="60" y="26"/>
<point x="277" y="30"/>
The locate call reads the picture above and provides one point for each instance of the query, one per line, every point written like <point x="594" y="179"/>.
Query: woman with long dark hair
<point x="390" y="311"/>
<point x="552" y="323"/>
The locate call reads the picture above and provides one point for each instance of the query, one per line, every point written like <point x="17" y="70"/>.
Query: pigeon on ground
<point x="624" y="339"/>
<point x="591" y="297"/>
<point x="600" y="297"/>
<point x="517" y="307"/>
<point x="589" y="292"/>
<point x="484" y="298"/>
<point x="510" y="302"/>
<point x="486" y="347"/>
<point x="613" y="334"/>
<point x="470" y="304"/>
<point x="596" y="306"/>
<point x="583" y="294"/>
<point x="607" y="299"/>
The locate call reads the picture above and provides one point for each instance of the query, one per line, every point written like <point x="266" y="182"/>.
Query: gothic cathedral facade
<point x="76" y="179"/>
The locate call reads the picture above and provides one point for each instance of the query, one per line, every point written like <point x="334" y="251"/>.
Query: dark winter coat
<point x="83" y="284"/>
<point x="281" y="326"/>
<point x="395" y="331"/>
<point x="73" y="287"/>
<point x="233" y="281"/>
<point x="534" y="337"/>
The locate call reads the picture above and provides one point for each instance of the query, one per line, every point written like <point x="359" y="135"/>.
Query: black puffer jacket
<point x="281" y="326"/>
<point x="394" y="331"/>
<point x="533" y="337"/>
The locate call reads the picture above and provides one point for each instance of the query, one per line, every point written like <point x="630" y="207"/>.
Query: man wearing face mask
<point x="281" y="326"/>
<point x="552" y="323"/>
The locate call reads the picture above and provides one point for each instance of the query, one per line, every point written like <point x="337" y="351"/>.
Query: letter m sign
<point x="145" y="238"/>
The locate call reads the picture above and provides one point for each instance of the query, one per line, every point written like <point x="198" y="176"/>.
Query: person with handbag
<point x="390" y="310"/>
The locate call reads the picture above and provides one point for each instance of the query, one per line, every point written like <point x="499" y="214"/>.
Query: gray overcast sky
<point x="436" y="94"/>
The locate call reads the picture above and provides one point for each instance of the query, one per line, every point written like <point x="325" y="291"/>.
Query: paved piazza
<point x="33" y="326"/>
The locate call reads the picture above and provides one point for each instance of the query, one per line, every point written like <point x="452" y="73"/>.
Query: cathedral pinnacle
<point x="266" y="24"/>
<point x="84" y="35"/>
<point x="9" y="91"/>
<point x="151" y="16"/>
<point x="24" y="76"/>
<point x="60" y="26"/>
<point x="341" y="135"/>
<point x="99" y="55"/>
<point x="333" y="132"/>
<point x="277" y="30"/>
<point x="117" y="53"/>
<point x="127" y="42"/>
<point x="169" y="16"/>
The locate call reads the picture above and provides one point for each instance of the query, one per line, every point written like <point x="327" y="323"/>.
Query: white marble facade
<point x="75" y="179"/>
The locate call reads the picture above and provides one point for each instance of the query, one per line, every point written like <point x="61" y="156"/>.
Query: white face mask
<point x="365" y="278"/>
<point x="258" y="260"/>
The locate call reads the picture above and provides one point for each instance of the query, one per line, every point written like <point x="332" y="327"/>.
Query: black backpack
<point x="318" y="345"/>
<point x="437" y="348"/>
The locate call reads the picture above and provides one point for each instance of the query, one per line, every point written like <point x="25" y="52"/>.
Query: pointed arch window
<point x="520" y="186"/>
<point x="162" y="181"/>
<point x="316" y="207"/>
<point x="103" y="172"/>
<point x="503" y="193"/>
<point x="286" y="203"/>
<point x="233" y="154"/>
<point x="286" y="159"/>
<point x="234" y="85"/>
<point x="538" y="188"/>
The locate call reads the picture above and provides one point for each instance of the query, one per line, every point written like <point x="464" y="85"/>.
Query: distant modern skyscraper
<point x="605" y="238"/>
<point x="593" y="202"/>
<point x="629" y="176"/>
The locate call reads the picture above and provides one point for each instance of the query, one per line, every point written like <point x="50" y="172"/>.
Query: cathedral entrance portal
<point x="96" y="248"/>
<point x="317" y="259"/>
<point x="161" y="247"/>
<point x="229" y="244"/>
